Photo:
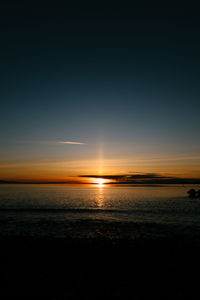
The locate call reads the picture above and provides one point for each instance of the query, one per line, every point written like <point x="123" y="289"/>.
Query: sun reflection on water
<point x="100" y="195"/>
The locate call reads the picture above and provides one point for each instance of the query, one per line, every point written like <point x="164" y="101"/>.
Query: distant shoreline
<point x="159" y="183"/>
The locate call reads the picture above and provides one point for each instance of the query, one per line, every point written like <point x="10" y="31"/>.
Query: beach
<point x="162" y="267"/>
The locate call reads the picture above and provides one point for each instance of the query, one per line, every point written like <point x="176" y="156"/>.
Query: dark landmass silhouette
<point x="7" y="181"/>
<point x="39" y="182"/>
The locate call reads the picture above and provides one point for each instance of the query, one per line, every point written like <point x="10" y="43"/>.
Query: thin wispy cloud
<point x="71" y="143"/>
<point x="56" y="142"/>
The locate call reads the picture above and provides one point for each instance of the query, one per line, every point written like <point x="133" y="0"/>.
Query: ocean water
<point x="93" y="210"/>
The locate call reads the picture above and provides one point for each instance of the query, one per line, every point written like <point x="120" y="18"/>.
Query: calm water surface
<point x="38" y="204"/>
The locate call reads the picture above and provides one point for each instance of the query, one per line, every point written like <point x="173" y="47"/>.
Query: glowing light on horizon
<point x="101" y="181"/>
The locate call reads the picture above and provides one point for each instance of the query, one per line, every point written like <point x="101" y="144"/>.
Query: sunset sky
<point x="100" y="91"/>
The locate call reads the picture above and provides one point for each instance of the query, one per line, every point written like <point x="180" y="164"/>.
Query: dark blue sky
<point x="125" y="77"/>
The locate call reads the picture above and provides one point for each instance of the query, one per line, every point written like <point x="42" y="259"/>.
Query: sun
<point x="100" y="181"/>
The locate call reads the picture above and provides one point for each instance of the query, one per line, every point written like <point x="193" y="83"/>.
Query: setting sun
<point x="100" y="181"/>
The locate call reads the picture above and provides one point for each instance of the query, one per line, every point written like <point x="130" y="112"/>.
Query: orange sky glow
<point x="70" y="170"/>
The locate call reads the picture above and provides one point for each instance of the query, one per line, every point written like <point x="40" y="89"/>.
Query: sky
<point x="99" y="90"/>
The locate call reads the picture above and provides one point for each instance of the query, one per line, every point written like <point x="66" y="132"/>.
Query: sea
<point x="98" y="211"/>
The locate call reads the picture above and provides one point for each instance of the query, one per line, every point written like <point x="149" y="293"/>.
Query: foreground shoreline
<point x="63" y="268"/>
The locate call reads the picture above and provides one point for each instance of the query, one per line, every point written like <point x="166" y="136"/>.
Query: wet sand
<point x="162" y="266"/>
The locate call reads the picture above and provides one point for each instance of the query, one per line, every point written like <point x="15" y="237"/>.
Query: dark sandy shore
<point x="158" y="266"/>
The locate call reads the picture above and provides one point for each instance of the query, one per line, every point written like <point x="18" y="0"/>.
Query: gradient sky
<point x="119" y="84"/>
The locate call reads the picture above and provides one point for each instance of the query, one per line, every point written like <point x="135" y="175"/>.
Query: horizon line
<point x="135" y="182"/>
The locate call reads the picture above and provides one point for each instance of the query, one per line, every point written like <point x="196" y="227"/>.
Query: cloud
<point x="129" y="176"/>
<point x="71" y="143"/>
<point x="145" y="178"/>
<point x="57" y="142"/>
